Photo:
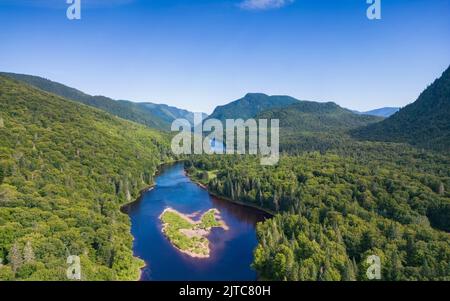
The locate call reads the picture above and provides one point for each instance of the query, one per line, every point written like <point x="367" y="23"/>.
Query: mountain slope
<point x="308" y="125"/>
<point x="152" y="115"/>
<point x="250" y="105"/>
<point x="169" y="113"/>
<point x="65" y="170"/>
<point x="424" y="123"/>
<point x="311" y="116"/>
<point x="381" y="112"/>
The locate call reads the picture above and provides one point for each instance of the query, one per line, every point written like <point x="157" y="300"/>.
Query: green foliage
<point x="66" y="169"/>
<point x="168" y="113"/>
<point x="175" y="224"/>
<point x="338" y="207"/>
<point x="308" y="116"/>
<point x="250" y="105"/>
<point x="424" y="123"/>
<point x="208" y="220"/>
<point x="153" y="115"/>
<point x="313" y="126"/>
<point x="2" y="175"/>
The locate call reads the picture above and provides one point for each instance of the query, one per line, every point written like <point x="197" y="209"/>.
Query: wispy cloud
<point x="264" y="4"/>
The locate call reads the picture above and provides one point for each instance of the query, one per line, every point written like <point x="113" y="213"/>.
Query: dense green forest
<point x="337" y="200"/>
<point x="251" y="105"/>
<point x="304" y="125"/>
<point x="158" y="116"/>
<point x="65" y="170"/>
<point x="313" y="126"/>
<point x="424" y="123"/>
<point x="337" y="208"/>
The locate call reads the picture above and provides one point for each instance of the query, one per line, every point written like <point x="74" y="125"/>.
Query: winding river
<point x="231" y="250"/>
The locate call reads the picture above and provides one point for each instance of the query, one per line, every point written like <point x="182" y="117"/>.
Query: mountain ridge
<point x="423" y="123"/>
<point x="65" y="170"/>
<point x="309" y="125"/>
<point x="250" y="105"/>
<point x="158" y="116"/>
<point x="380" y="112"/>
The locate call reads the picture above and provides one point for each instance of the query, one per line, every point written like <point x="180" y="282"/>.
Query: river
<point x="231" y="250"/>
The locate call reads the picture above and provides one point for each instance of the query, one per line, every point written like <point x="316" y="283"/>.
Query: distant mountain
<point x="152" y="115"/>
<point x="251" y="105"/>
<point x="304" y="125"/>
<point x="381" y="112"/>
<point x="424" y="123"/>
<point x="312" y="116"/>
<point x="70" y="167"/>
<point x="169" y="113"/>
<point x="308" y="125"/>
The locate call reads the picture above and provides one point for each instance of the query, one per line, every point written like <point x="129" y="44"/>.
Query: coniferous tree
<point x="15" y="257"/>
<point x="28" y="253"/>
<point x="2" y="174"/>
<point x="441" y="188"/>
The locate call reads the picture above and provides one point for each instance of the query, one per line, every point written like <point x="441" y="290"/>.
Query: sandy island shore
<point x="194" y="231"/>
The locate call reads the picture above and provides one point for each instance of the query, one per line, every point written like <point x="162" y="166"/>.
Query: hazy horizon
<point x="207" y="53"/>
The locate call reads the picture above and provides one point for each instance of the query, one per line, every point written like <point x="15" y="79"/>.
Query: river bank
<point x="124" y="208"/>
<point x="159" y="169"/>
<point x="174" y="189"/>
<point x="203" y="186"/>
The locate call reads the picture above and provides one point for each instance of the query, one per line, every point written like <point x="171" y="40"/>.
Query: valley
<point x="224" y="252"/>
<point x="347" y="186"/>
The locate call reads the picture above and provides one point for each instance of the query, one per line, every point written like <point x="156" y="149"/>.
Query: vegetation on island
<point x="335" y="210"/>
<point x="187" y="235"/>
<point x="65" y="170"/>
<point x="347" y="186"/>
<point x="341" y="200"/>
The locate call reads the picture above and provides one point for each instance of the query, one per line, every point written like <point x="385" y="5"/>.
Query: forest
<point x="424" y="123"/>
<point x="65" y="171"/>
<point x="334" y="209"/>
<point x="347" y="188"/>
<point x="337" y="196"/>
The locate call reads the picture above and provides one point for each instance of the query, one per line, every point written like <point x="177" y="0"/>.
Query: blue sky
<point x="197" y="54"/>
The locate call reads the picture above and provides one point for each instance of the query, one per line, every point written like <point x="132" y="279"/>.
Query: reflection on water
<point x="231" y="251"/>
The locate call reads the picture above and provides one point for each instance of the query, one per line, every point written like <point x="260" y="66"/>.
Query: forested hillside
<point x="424" y="123"/>
<point x="158" y="116"/>
<point x="381" y="112"/>
<point x="169" y="113"/>
<point x="65" y="170"/>
<point x="308" y="125"/>
<point x="338" y="200"/>
<point x="250" y="105"/>
<point x="337" y="208"/>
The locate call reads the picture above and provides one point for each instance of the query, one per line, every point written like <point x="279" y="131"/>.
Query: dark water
<point x="231" y="251"/>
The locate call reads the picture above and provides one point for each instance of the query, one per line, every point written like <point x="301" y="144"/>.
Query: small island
<point x="187" y="235"/>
